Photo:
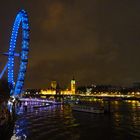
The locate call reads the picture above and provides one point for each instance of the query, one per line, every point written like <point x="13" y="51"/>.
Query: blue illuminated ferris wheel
<point x="17" y="84"/>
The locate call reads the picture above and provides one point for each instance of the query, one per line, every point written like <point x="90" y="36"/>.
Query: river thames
<point x="59" y="122"/>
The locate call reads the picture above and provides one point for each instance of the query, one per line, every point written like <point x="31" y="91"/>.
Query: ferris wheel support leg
<point x="3" y="71"/>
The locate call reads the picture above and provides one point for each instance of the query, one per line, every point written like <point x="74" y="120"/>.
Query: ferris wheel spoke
<point x="15" y="54"/>
<point x="3" y="71"/>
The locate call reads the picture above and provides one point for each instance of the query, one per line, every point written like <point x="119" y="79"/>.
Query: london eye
<point x="16" y="84"/>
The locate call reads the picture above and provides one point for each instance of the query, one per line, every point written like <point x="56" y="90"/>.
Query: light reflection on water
<point x="60" y="122"/>
<point x="20" y="131"/>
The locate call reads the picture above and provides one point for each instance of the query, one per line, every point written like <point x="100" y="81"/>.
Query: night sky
<point x="96" y="41"/>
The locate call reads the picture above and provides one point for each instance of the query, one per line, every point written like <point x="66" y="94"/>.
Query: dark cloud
<point x="96" y="41"/>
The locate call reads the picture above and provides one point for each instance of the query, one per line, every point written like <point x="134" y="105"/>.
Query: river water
<point x="59" y="122"/>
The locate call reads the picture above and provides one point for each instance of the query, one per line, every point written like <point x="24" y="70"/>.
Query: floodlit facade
<point x="53" y="84"/>
<point x="73" y="86"/>
<point x="53" y="90"/>
<point x="48" y="92"/>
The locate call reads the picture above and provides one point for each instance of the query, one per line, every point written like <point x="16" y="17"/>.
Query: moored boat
<point x="86" y="108"/>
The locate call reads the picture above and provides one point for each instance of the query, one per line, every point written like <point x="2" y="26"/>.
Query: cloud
<point x="97" y="41"/>
<point x="54" y="15"/>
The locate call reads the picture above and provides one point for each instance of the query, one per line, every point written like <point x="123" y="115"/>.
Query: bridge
<point x="35" y="100"/>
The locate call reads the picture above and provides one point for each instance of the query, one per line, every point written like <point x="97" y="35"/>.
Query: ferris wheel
<point x="16" y="85"/>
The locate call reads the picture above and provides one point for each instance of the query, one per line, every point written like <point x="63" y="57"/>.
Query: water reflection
<point x="20" y="131"/>
<point x="60" y="122"/>
<point x="53" y="122"/>
<point x="126" y="120"/>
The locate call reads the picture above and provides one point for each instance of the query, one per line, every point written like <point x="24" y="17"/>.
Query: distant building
<point x="65" y="92"/>
<point x="56" y="90"/>
<point x="73" y="86"/>
<point x="53" y="84"/>
<point x="48" y="92"/>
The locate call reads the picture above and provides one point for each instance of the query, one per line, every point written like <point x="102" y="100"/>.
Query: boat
<point x="89" y="109"/>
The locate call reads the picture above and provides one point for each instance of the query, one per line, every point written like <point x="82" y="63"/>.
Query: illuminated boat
<point x="89" y="109"/>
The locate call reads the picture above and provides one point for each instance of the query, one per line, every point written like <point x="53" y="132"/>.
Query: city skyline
<point x="97" y="42"/>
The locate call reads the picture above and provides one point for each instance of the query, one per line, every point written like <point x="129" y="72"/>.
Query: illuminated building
<point x="66" y="92"/>
<point x="53" y="84"/>
<point x="56" y="90"/>
<point x="73" y="87"/>
<point x="48" y="92"/>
